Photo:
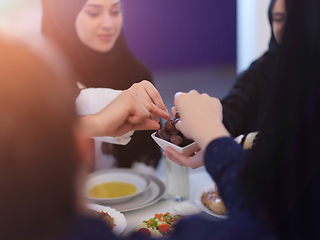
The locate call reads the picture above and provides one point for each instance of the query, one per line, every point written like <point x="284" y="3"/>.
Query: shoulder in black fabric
<point x="245" y="105"/>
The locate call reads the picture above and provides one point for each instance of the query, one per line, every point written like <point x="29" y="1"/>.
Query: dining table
<point x="198" y="179"/>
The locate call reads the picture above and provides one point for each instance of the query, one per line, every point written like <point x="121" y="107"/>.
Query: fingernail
<point x="177" y="94"/>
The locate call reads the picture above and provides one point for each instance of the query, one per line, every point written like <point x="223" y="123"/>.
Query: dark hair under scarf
<point x="273" y="44"/>
<point x="116" y="69"/>
<point x="244" y="106"/>
<point x="282" y="174"/>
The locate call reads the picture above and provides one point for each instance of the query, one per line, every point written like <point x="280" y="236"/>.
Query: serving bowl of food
<point x="107" y="186"/>
<point x="170" y="136"/>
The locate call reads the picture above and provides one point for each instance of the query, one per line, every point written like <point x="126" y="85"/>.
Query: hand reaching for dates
<point x="200" y="117"/>
<point x="171" y="134"/>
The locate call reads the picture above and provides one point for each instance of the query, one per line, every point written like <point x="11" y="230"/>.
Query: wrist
<point x="91" y="126"/>
<point x="217" y="130"/>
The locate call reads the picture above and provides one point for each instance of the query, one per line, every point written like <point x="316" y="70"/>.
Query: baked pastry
<point x="247" y="140"/>
<point x="213" y="201"/>
<point x="160" y="225"/>
<point x="104" y="217"/>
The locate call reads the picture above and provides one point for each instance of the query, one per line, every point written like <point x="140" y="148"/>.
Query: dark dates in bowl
<point x="170" y="136"/>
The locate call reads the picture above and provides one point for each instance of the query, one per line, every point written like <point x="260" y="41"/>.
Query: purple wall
<point x="168" y="34"/>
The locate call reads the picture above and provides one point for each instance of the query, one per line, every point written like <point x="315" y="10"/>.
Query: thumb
<point x="178" y="125"/>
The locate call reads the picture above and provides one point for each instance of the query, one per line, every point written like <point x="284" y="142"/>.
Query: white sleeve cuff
<point x="93" y="100"/>
<point x="122" y="140"/>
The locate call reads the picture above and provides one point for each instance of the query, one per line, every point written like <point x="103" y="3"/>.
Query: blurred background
<point x="187" y="44"/>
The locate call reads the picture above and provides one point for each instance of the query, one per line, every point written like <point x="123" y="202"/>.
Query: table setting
<point x="173" y="190"/>
<point x="141" y="207"/>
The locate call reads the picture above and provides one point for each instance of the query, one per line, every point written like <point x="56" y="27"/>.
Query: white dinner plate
<point x="152" y="195"/>
<point x="119" y="219"/>
<point x="198" y="202"/>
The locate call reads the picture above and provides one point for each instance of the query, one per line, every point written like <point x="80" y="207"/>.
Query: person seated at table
<point x="43" y="169"/>
<point x="43" y="141"/>
<point x="245" y="105"/>
<point x="90" y="34"/>
<point x="90" y="104"/>
<point x="276" y="184"/>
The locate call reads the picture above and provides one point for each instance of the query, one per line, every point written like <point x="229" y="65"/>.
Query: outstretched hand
<point x="138" y="108"/>
<point x="200" y="120"/>
<point x="149" y="93"/>
<point x="128" y="112"/>
<point x="200" y="117"/>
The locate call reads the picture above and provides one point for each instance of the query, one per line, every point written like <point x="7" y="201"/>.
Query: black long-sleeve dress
<point x="245" y="105"/>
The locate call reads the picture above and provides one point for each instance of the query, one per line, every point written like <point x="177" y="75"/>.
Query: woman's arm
<point x="201" y="120"/>
<point x="108" y="112"/>
<point x="126" y="113"/>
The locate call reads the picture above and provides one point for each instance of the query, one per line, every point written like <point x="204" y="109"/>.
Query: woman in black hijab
<point x="274" y="188"/>
<point x="114" y="67"/>
<point x="245" y="105"/>
<point x="282" y="175"/>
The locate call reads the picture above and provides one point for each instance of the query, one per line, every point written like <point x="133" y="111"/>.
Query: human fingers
<point x="174" y="156"/>
<point x="193" y="161"/>
<point x="141" y="109"/>
<point x="198" y="112"/>
<point x="155" y="112"/>
<point x="154" y="109"/>
<point x="173" y="111"/>
<point x="154" y="95"/>
<point x="181" y="103"/>
<point x="186" y="101"/>
<point x="148" y="92"/>
<point x="196" y="160"/>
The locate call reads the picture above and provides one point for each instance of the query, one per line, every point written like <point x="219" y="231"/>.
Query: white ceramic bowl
<point x="186" y="151"/>
<point x="105" y="176"/>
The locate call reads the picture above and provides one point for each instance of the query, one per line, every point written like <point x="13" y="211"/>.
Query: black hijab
<point x="245" y="105"/>
<point x="282" y="174"/>
<point x="116" y="69"/>
<point x="273" y="44"/>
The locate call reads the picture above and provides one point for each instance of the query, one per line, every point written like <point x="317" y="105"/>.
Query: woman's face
<point x="279" y="17"/>
<point x="99" y="24"/>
